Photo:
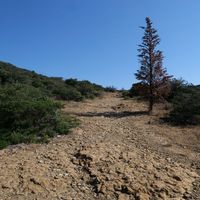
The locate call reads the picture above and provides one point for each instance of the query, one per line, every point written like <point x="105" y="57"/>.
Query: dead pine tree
<point x="151" y="74"/>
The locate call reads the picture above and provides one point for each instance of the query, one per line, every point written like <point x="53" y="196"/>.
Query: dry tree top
<point x="152" y="74"/>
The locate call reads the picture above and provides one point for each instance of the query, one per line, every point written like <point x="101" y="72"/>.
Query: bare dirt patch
<point x="118" y="152"/>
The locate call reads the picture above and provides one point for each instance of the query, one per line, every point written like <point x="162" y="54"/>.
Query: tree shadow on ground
<point x="112" y="114"/>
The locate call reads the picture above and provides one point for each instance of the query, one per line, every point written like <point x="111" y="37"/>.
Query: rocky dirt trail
<point x="118" y="152"/>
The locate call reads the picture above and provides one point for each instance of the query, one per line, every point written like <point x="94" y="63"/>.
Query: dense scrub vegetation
<point x="29" y="116"/>
<point x="135" y="91"/>
<point x="28" y="110"/>
<point x="110" y="89"/>
<point x="70" y="89"/>
<point x="184" y="97"/>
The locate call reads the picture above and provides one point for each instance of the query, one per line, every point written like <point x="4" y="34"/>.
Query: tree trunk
<point x="151" y="102"/>
<point x="151" y="97"/>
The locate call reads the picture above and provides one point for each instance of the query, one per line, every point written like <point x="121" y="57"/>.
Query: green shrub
<point x="125" y="94"/>
<point x="88" y="90"/>
<point x="186" y="107"/>
<point x="70" y="89"/>
<point x="71" y="82"/>
<point x="68" y="93"/>
<point x="29" y="116"/>
<point x="110" y="89"/>
<point x="85" y="88"/>
<point x="177" y="86"/>
<point x="136" y="90"/>
<point x="3" y="144"/>
<point x="64" y="123"/>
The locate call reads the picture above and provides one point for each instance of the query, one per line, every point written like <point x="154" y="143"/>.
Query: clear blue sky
<point x="97" y="39"/>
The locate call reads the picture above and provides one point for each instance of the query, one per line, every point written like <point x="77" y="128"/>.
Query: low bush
<point x="126" y="94"/>
<point x="67" y="93"/>
<point x="70" y="89"/>
<point x="29" y="116"/>
<point x="186" y="106"/>
<point x="135" y="91"/>
<point x="177" y="86"/>
<point x="110" y="89"/>
<point x="88" y="90"/>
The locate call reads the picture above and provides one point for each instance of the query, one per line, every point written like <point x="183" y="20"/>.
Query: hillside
<point x="29" y="108"/>
<point x="70" y="89"/>
<point x="118" y="152"/>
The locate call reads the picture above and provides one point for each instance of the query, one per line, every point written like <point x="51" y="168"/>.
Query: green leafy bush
<point x="177" y="86"/>
<point x="88" y="90"/>
<point x="125" y="93"/>
<point x="135" y="91"/>
<point x="65" y="122"/>
<point x="72" y="82"/>
<point x="186" y="106"/>
<point x="110" y="89"/>
<point x="70" y="89"/>
<point x="29" y="116"/>
<point x="67" y="93"/>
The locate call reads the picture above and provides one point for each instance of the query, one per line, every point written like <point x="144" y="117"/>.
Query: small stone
<point x="178" y="178"/>
<point x="168" y="159"/>
<point x="123" y="197"/>
<point x="143" y="196"/>
<point x="5" y="186"/>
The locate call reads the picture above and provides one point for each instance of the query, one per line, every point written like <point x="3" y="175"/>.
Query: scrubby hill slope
<point x="70" y="89"/>
<point x="28" y="110"/>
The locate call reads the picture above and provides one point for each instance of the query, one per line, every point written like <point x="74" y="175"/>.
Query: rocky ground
<point x="118" y="152"/>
